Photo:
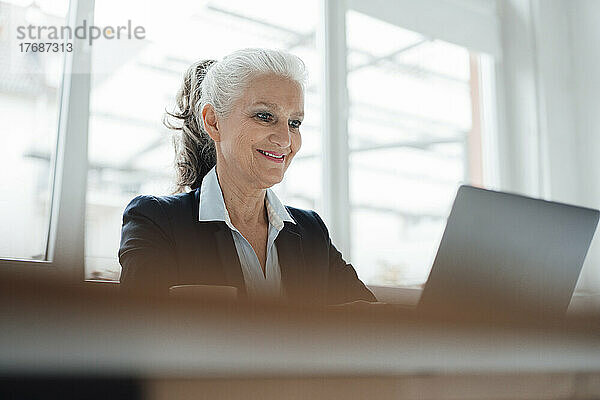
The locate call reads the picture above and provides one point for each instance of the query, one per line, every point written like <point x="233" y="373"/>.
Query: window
<point x="414" y="136"/>
<point x="130" y="152"/>
<point x="30" y="86"/>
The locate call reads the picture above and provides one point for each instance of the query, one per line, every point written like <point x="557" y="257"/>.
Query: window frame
<point x="425" y="17"/>
<point x="65" y="242"/>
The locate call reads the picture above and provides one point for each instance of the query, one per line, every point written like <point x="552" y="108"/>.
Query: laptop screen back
<point x="502" y="252"/>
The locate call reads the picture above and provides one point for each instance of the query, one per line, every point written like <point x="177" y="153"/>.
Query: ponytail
<point x="194" y="148"/>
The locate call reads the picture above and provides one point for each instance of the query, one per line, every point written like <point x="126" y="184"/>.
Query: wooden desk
<point x="319" y="352"/>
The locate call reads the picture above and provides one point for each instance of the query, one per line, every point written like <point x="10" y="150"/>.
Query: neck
<point x="245" y="205"/>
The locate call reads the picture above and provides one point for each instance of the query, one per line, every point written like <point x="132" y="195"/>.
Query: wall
<point x="585" y="55"/>
<point x="549" y="89"/>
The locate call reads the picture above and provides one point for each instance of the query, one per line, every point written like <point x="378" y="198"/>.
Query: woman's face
<point x="261" y="136"/>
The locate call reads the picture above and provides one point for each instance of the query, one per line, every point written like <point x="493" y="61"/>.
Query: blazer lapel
<point x="230" y="260"/>
<point x="225" y="248"/>
<point x="291" y="261"/>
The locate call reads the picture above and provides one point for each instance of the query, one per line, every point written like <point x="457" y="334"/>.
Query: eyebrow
<point x="276" y="107"/>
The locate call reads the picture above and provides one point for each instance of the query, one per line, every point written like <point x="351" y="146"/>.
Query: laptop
<point x="503" y="253"/>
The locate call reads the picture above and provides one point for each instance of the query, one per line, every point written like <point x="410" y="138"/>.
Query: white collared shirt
<point x="212" y="208"/>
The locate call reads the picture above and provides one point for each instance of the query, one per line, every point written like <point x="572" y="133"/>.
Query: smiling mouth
<point x="276" y="157"/>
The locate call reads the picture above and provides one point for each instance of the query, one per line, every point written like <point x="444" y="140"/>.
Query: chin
<point x="275" y="181"/>
<point x="271" y="179"/>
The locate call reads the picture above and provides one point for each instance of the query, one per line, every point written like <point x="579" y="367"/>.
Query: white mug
<point x="226" y="294"/>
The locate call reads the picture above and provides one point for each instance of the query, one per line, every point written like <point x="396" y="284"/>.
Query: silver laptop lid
<point x="502" y="253"/>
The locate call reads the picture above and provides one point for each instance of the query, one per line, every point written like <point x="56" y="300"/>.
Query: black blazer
<point x="163" y="244"/>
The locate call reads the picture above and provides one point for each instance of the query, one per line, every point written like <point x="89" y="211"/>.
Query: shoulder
<point x="151" y="202"/>
<point x="157" y="207"/>
<point x="156" y="217"/>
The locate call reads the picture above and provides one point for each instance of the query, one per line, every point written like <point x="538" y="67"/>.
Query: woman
<point x="238" y="131"/>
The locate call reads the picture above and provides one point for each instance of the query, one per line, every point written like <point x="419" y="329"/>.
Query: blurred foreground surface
<point x="61" y="339"/>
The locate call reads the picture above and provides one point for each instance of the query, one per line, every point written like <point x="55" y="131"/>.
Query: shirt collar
<point x="276" y="211"/>
<point x="212" y="206"/>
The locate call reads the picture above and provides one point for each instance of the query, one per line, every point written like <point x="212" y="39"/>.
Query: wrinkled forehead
<point x="274" y="92"/>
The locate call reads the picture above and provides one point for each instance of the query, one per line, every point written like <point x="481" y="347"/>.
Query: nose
<point x="281" y="136"/>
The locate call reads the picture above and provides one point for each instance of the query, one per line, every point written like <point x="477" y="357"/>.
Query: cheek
<point x="243" y="142"/>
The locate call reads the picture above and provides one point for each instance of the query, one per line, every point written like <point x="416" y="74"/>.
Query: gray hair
<point x="219" y="83"/>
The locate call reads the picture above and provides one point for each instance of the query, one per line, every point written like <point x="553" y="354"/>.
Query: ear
<point x="211" y="124"/>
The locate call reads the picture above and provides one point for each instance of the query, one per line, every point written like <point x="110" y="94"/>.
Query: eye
<point x="264" y="116"/>
<point x="295" y="124"/>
